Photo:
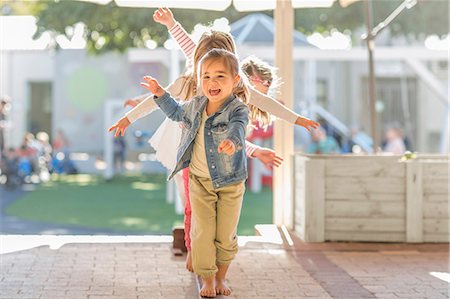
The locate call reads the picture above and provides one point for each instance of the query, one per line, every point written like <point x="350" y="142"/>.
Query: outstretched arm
<point x="165" y="17"/>
<point x="146" y="105"/>
<point x="266" y="103"/>
<point x="143" y="108"/>
<point x="266" y="155"/>
<point x="168" y="105"/>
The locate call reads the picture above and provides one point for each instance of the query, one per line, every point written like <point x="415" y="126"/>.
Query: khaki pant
<point x="215" y="217"/>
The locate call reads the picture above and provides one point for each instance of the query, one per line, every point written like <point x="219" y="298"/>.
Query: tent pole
<point x="283" y="202"/>
<point x="370" y="40"/>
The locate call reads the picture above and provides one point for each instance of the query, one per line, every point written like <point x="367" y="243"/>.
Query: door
<point x="40" y="108"/>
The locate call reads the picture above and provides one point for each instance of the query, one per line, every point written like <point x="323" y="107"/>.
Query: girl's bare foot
<point x="221" y="285"/>
<point x="189" y="262"/>
<point x="208" y="289"/>
<point x="222" y="288"/>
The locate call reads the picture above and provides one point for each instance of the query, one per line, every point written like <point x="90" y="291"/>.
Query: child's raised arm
<point x="143" y="108"/>
<point x="153" y="85"/>
<point x="165" y="17"/>
<point x="168" y="105"/>
<point x="145" y="104"/>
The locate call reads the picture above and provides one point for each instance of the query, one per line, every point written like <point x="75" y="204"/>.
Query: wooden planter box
<point x="371" y="198"/>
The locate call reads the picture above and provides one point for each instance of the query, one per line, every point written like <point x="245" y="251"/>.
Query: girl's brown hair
<point x="232" y="64"/>
<point x="210" y="39"/>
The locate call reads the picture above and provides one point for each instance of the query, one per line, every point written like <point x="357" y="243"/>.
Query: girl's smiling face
<point x="218" y="81"/>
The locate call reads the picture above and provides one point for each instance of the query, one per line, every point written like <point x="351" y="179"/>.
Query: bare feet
<point x="208" y="289"/>
<point x="189" y="262"/>
<point x="221" y="285"/>
<point x="222" y="288"/>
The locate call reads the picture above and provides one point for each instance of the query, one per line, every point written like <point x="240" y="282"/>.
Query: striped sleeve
<point x="180" y="35"/>
<point x="250" y="148"/>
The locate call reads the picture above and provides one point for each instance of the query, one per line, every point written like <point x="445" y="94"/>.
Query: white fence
<point x="371" y="198"/>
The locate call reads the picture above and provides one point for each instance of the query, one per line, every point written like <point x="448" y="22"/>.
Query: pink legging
<point x="187" y="210"/>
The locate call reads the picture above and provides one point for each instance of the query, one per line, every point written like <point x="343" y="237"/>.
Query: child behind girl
<point x="213" y="146"/>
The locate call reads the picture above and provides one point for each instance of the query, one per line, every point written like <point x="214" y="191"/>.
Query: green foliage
<point x="20" y="7"/>
<point x="110" y="27"/>
<point x="118" y="28"/>
<point x="425" y="18"/>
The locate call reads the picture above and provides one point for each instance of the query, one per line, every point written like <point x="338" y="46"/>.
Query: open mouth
<point x="214" y="92"/>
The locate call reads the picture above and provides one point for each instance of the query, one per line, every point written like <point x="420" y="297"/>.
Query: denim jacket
<point x="229" y="122"/>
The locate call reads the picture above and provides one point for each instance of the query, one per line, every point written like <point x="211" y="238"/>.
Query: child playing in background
<point x="213" y="146"/>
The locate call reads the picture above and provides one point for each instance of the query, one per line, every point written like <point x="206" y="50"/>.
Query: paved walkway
<point x="142" y="267"/>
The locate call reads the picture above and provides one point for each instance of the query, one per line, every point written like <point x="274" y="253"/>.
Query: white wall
<point x="121" y="74"/>
<point x="17" y="69"/>
<point x="81" y="84"/>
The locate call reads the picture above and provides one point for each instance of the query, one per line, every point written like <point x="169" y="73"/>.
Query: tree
<point x="109" y="27"/>
<point x="425" y="18"/>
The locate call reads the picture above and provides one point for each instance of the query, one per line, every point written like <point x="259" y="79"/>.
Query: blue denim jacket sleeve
<point x="171" y="108"/>
<point x="237" y="126"/>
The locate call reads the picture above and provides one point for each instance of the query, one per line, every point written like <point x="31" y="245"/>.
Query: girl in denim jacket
<point x="184" y="88"/>
<point x="213" y="146"/>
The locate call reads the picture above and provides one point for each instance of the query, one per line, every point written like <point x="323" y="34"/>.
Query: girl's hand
<point x="121" y="126"/>
<point x="132" y="103"/>
<point x="164" y="16"/>
<point x="268" y="157"/>
<point x="307" y="123"/>
<point x="153" y="85"/>
<point x="227" y="146"/>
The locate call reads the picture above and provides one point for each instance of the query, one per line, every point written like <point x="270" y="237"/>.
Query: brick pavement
<point x="96" y="267"/>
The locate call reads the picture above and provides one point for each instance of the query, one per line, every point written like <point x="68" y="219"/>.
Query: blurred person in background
<point x="120" y="147"/>
<point x="9" y="166"/>
<point x="394" y="141"/>
<point x="4" y="107"/>
<point x="44" y="154"/>
<point x="27" y="155"/>
<point x="60" y="142"/>
<point x="61" y="162"/>
<point x="322" y="143"/>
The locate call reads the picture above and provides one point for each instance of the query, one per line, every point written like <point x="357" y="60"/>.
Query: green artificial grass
<point x="124" y="204"/>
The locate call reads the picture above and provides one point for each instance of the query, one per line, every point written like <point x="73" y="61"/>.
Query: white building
<point x="68" y="89"/>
